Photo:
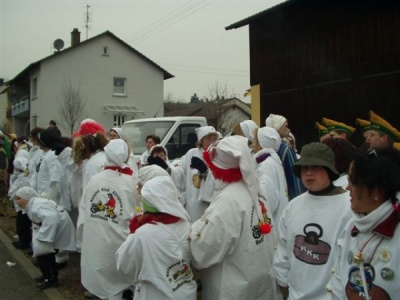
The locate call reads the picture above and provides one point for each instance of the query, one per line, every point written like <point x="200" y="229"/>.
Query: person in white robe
<point x="270" y="174"/>
<point x="35" y="153"/>
<point x="118" y="133"/>
<point x="156" y="255"/>
<point x="105" y="211"/>
<point x="232" y="243"/>
<point x="22" y="222"/>
<point x="367" y="262"/>
<point x="192" y="179"/>
<point x="310" y="225"/>
<point x="52" y="230"/>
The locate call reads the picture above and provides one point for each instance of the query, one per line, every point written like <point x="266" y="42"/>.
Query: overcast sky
<point x="185" y="37"/>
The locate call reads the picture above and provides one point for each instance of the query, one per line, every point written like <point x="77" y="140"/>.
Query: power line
<point x="176" y="16"/>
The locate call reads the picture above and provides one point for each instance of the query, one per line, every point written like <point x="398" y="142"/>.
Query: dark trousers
<point x="48" y="266"/>
<point x="23" y="225"/>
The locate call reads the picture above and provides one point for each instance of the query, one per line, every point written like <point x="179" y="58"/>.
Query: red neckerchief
<point x="151" y="218"/>
<point x="126" y="170"/>
<point x="386" y="228"/>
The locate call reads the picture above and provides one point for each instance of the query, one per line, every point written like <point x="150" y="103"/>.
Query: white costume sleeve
<point x="129" y="257"/>
<point x="212" y="240"/>
<point x="50" y="219"/>
<point x="281" y="264"/>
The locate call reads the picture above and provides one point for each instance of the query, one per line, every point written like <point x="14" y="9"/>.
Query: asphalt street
<point x="16" y="282"/>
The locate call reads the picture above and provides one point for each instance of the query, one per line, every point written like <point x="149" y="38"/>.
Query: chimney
<point x="75" y="37"/>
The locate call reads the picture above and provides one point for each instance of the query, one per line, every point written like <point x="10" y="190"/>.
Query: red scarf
<point x="151" y="218"/>
<point x="126" y="170"/>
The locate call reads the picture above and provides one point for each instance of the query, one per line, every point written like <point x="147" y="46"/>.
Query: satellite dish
<point x="58" y="44"/>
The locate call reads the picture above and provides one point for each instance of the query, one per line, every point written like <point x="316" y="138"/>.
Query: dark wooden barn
<point x="317" y="58"/>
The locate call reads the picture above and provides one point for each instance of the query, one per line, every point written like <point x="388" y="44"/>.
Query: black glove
<point x="198" y="164"/>
<point x="157" y="161"/>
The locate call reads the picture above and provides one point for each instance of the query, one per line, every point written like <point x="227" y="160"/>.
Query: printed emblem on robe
<point x="178" y="274"/>
<point x="355" y="289"/>
<point x="309" y="248"/>
<point x="104" y="204"/>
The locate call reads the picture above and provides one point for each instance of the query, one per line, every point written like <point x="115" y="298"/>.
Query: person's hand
<point x="157" y="161"/>
<point x="199" y="164"/>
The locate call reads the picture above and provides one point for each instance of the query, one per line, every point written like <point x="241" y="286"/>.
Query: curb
<point x="27" y="265"/>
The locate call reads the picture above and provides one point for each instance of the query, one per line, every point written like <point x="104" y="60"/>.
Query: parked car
<point x="177" y="134"/>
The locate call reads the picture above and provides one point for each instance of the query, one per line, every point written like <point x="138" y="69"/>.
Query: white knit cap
<point x="269" y="138"/>
<point x="117" y="153"/>
<point x="27" y="193"/>
<point x="161" y="193"/>
<point x="148" y="172"/>
<point x="204" y="130"/>
<point x="275" y="121"/>
<point x="248" y="127"/>
<point x="120" y="132"/>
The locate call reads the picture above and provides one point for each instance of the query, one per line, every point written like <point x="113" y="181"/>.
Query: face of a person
<point x="337" y="134"/>
<point x="376" y="140"/>
<point x="324" y="137"/>
<point x="284" y="130"/>
<point x="361" y="199"/>
<point x="149" y="143"/>
<point x="113" y="135"/>
<point x="208" y="140"/>
<point x="315" y="178"/>
<point x="160" y="154"/>
<point x="21" y="202"/>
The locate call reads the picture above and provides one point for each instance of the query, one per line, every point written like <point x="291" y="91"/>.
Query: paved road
<point x="15" y="282"/>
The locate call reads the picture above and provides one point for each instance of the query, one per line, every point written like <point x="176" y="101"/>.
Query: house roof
<point x="25" y="73"/>
<point x="292" y="4"/>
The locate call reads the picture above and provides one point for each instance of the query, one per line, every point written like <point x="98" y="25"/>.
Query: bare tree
<point x="71" y="105"/>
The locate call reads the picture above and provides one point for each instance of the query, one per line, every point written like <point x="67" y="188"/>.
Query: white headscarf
<point x="161" y="193"/>
<point x="248" y="127"/>
<point x="120" y="132"/>
<point x="117" y="153"/>
<point x="232" y="153"/>
<point x="275" y="121"/>
<point x="20" y="163"/>
<point x="159" y="146"/>
<point x="27" y="193"/>
<point x="204" y="130"/>
<point x="148" y="172"/>
<point x="269" y="138"/>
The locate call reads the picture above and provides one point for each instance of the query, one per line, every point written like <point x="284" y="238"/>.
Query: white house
<point x="115" y="81"/>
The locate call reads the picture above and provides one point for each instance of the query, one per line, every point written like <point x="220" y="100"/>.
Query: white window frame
<point x="34" y="88"/>
<point x="119" y="119"/>
<point x="34" y="121"/>
<point x="119" y="90"/>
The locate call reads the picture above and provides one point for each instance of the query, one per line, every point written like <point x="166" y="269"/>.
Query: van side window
<point x="183" y="139"/>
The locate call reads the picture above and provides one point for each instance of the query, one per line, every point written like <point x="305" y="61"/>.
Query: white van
<point x="177" y="134"/>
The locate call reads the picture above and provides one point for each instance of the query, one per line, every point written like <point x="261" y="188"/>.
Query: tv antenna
<point x="87" y="20"/>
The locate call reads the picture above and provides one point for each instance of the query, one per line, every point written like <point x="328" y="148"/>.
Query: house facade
<point x="321" y="58"/>
<point x="113" y="82"/>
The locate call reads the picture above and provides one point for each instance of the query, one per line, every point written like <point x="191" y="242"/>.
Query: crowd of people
<point x="238" y="217"/>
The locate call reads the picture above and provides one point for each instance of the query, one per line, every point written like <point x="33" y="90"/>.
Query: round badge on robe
<point x="387" y="274"/>
<point x="385" y="255"/>
<point x="350" y="257"/>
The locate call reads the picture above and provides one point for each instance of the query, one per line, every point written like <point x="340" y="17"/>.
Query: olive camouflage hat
<point x="316" y="154"/>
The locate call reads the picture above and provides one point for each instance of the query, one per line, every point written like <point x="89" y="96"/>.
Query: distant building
<point x="116" y="82"/>
<point x="325" y="58"/>
<point x="222" y="114"/>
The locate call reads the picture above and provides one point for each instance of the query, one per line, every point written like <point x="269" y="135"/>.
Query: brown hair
<point x="86" y="145"/>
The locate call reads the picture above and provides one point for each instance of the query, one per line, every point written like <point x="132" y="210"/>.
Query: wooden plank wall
<point x="336" y="62"/>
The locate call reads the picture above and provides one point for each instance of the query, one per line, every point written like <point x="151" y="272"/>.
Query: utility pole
<point x="87" y="20"/>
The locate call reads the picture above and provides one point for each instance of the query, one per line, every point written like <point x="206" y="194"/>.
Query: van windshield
<point x="136" y="133"/>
